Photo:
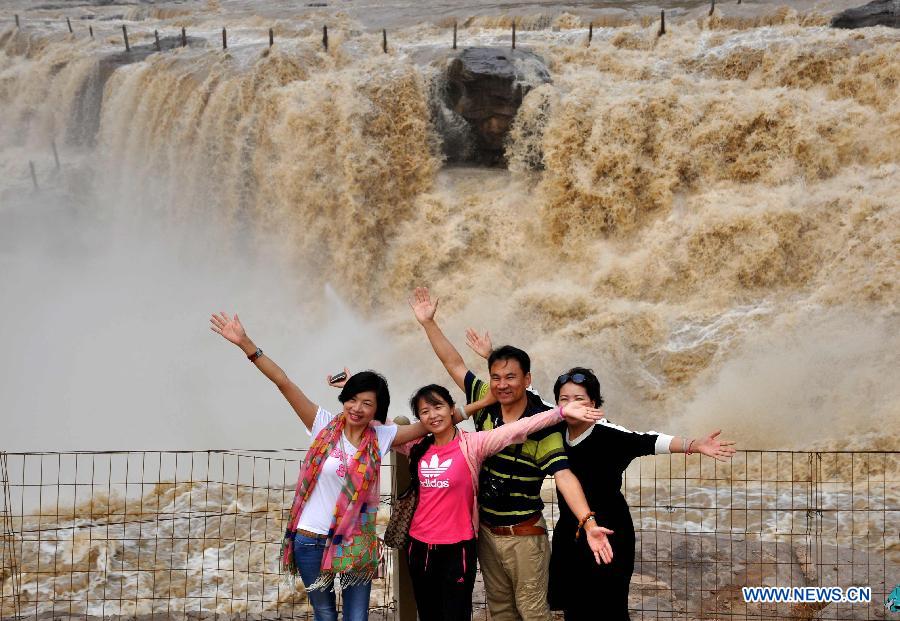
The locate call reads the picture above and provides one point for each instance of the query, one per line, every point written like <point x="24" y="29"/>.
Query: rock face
<point x="876" y="13"/>
<point x="485" y="86"/>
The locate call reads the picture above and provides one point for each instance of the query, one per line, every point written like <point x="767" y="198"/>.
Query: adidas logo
<point x="433" y="468"/>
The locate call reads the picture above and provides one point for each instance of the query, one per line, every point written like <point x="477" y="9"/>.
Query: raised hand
<point x="581" y="412"/>
<point x="229" y="327"/>
<point x="481" y="345"/>
<point x="711" y="446"/>
<point x="422" y="306"/>
<point x="598" y="542"/>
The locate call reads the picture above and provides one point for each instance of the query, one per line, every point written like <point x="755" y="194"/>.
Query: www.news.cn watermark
<point x="807" y="595"/>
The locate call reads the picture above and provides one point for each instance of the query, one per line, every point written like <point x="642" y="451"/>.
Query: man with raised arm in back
<point x="513" y="546"/>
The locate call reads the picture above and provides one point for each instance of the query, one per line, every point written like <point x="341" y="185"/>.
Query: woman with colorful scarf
<point x="331" y="532"/>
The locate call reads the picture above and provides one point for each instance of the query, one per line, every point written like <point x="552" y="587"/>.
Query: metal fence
<point x="100" y="534"/>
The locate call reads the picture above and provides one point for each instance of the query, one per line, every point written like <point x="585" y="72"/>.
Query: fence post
<point x="271" y="37"/>
<point x="183" y="37"/>
<point x="125" y="34"/>
<point x="69" y="24"/>
<point x="156" y="36"/>
<point x="17" y="20"/>
<point x="384" y="40"/>
<point x="514" y="34"/>
<point x="325" y="37"/>
<point x="33" y="175"/>
<point x="662" y="23"/>
<point x="454" y="35"/>
<point x="403" y="593"/>
<point x="91" y="30"/>
<point x="712" y="7"/>
<point x="224" y="39"/>
<point x="590" y="33"/>
<point x="8" y="537"/>
<point x="55" y="153"/>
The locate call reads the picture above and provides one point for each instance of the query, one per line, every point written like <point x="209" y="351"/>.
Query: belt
<point x="310" y="534"/>
<point x="528" y="527"/>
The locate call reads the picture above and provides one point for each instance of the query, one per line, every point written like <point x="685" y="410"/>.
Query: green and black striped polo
<point x="509" y="486"/>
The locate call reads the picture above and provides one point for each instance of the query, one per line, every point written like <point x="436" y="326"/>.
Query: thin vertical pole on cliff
<point x="712" y="7"/>
<point x="125" y="34"/>
<point x="514" y="35"/>
<point x="271" y="37"/>
<point x="224" y="39"/>
<point x="662" y="23"/>
<point x="55" y="154"/>
<point x="17" y="21"/>
<point x="590" y="33"/>
<point x="454" y="35"/>
<point x="325" y="37"/>
<point x="156" y="36"/>
<point x="69" y="24"/>
<point x="91" y="30"/>
<point x="183" y="37"/>
<point x="33" y="175"/>
<point x="384" y="40"/>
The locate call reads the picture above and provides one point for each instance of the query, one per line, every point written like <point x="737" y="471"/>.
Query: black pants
<point x="443" y="576"/>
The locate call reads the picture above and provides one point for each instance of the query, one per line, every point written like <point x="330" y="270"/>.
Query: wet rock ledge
<point x="876" y="13"/>
<point x="484" y="86"/>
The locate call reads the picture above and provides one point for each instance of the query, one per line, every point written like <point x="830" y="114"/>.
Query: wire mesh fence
<point x="102" y="534"/>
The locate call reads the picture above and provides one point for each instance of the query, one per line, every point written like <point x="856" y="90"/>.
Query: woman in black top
<point x="598" y="455"/>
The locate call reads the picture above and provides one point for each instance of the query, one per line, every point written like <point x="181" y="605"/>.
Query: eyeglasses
<point x="577" y="378"/>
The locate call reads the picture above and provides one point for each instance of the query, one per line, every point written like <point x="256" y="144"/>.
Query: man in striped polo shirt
<point x="513" y="547"/>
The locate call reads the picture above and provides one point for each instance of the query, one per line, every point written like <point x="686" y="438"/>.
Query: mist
<point x="105" y="320"/>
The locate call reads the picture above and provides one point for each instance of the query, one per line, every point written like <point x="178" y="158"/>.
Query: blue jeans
<point x="308" y="553"/>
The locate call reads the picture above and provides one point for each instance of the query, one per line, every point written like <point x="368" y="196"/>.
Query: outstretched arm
<point x="408" y="433"/>
<point x="711" y="446"/>
<point x="516" y="432"/>
<point x="486" y="400"/>
<point x="231" y="330"/>
<point x="424" y="310"/>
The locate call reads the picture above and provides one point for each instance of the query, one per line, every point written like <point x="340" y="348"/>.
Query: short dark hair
<point x="508" y="352"/>
<point x="365" y="381"/>
<point x="591" y="384"/>
<point x="432" y="394"/>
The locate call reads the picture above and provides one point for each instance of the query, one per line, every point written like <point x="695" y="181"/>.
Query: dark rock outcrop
<point x="484" y="88"/>
<point x="876" y="13"/>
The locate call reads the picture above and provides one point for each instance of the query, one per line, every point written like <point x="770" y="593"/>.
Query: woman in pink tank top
<point x="445" y="465"/>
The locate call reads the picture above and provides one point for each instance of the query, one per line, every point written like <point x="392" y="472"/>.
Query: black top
<point x="599" y="458"/>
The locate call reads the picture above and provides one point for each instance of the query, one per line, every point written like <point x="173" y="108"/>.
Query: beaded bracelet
<point x="583" y="521"/>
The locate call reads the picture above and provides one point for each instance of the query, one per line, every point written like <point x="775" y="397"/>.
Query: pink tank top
<point x="446" y="497"/>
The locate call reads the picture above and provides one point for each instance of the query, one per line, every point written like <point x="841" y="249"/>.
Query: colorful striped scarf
<point x="352" y="550"/>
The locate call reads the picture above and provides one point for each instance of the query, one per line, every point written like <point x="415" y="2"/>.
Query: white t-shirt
<point x="319" y="510"/>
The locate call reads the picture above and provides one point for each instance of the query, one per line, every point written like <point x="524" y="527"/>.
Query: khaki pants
<point x="516" y="570"/>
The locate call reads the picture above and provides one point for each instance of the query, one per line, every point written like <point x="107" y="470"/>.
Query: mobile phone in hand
<point x="338" y="377"/>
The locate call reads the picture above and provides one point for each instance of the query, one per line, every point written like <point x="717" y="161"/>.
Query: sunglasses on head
<point x="576" y="378"/>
